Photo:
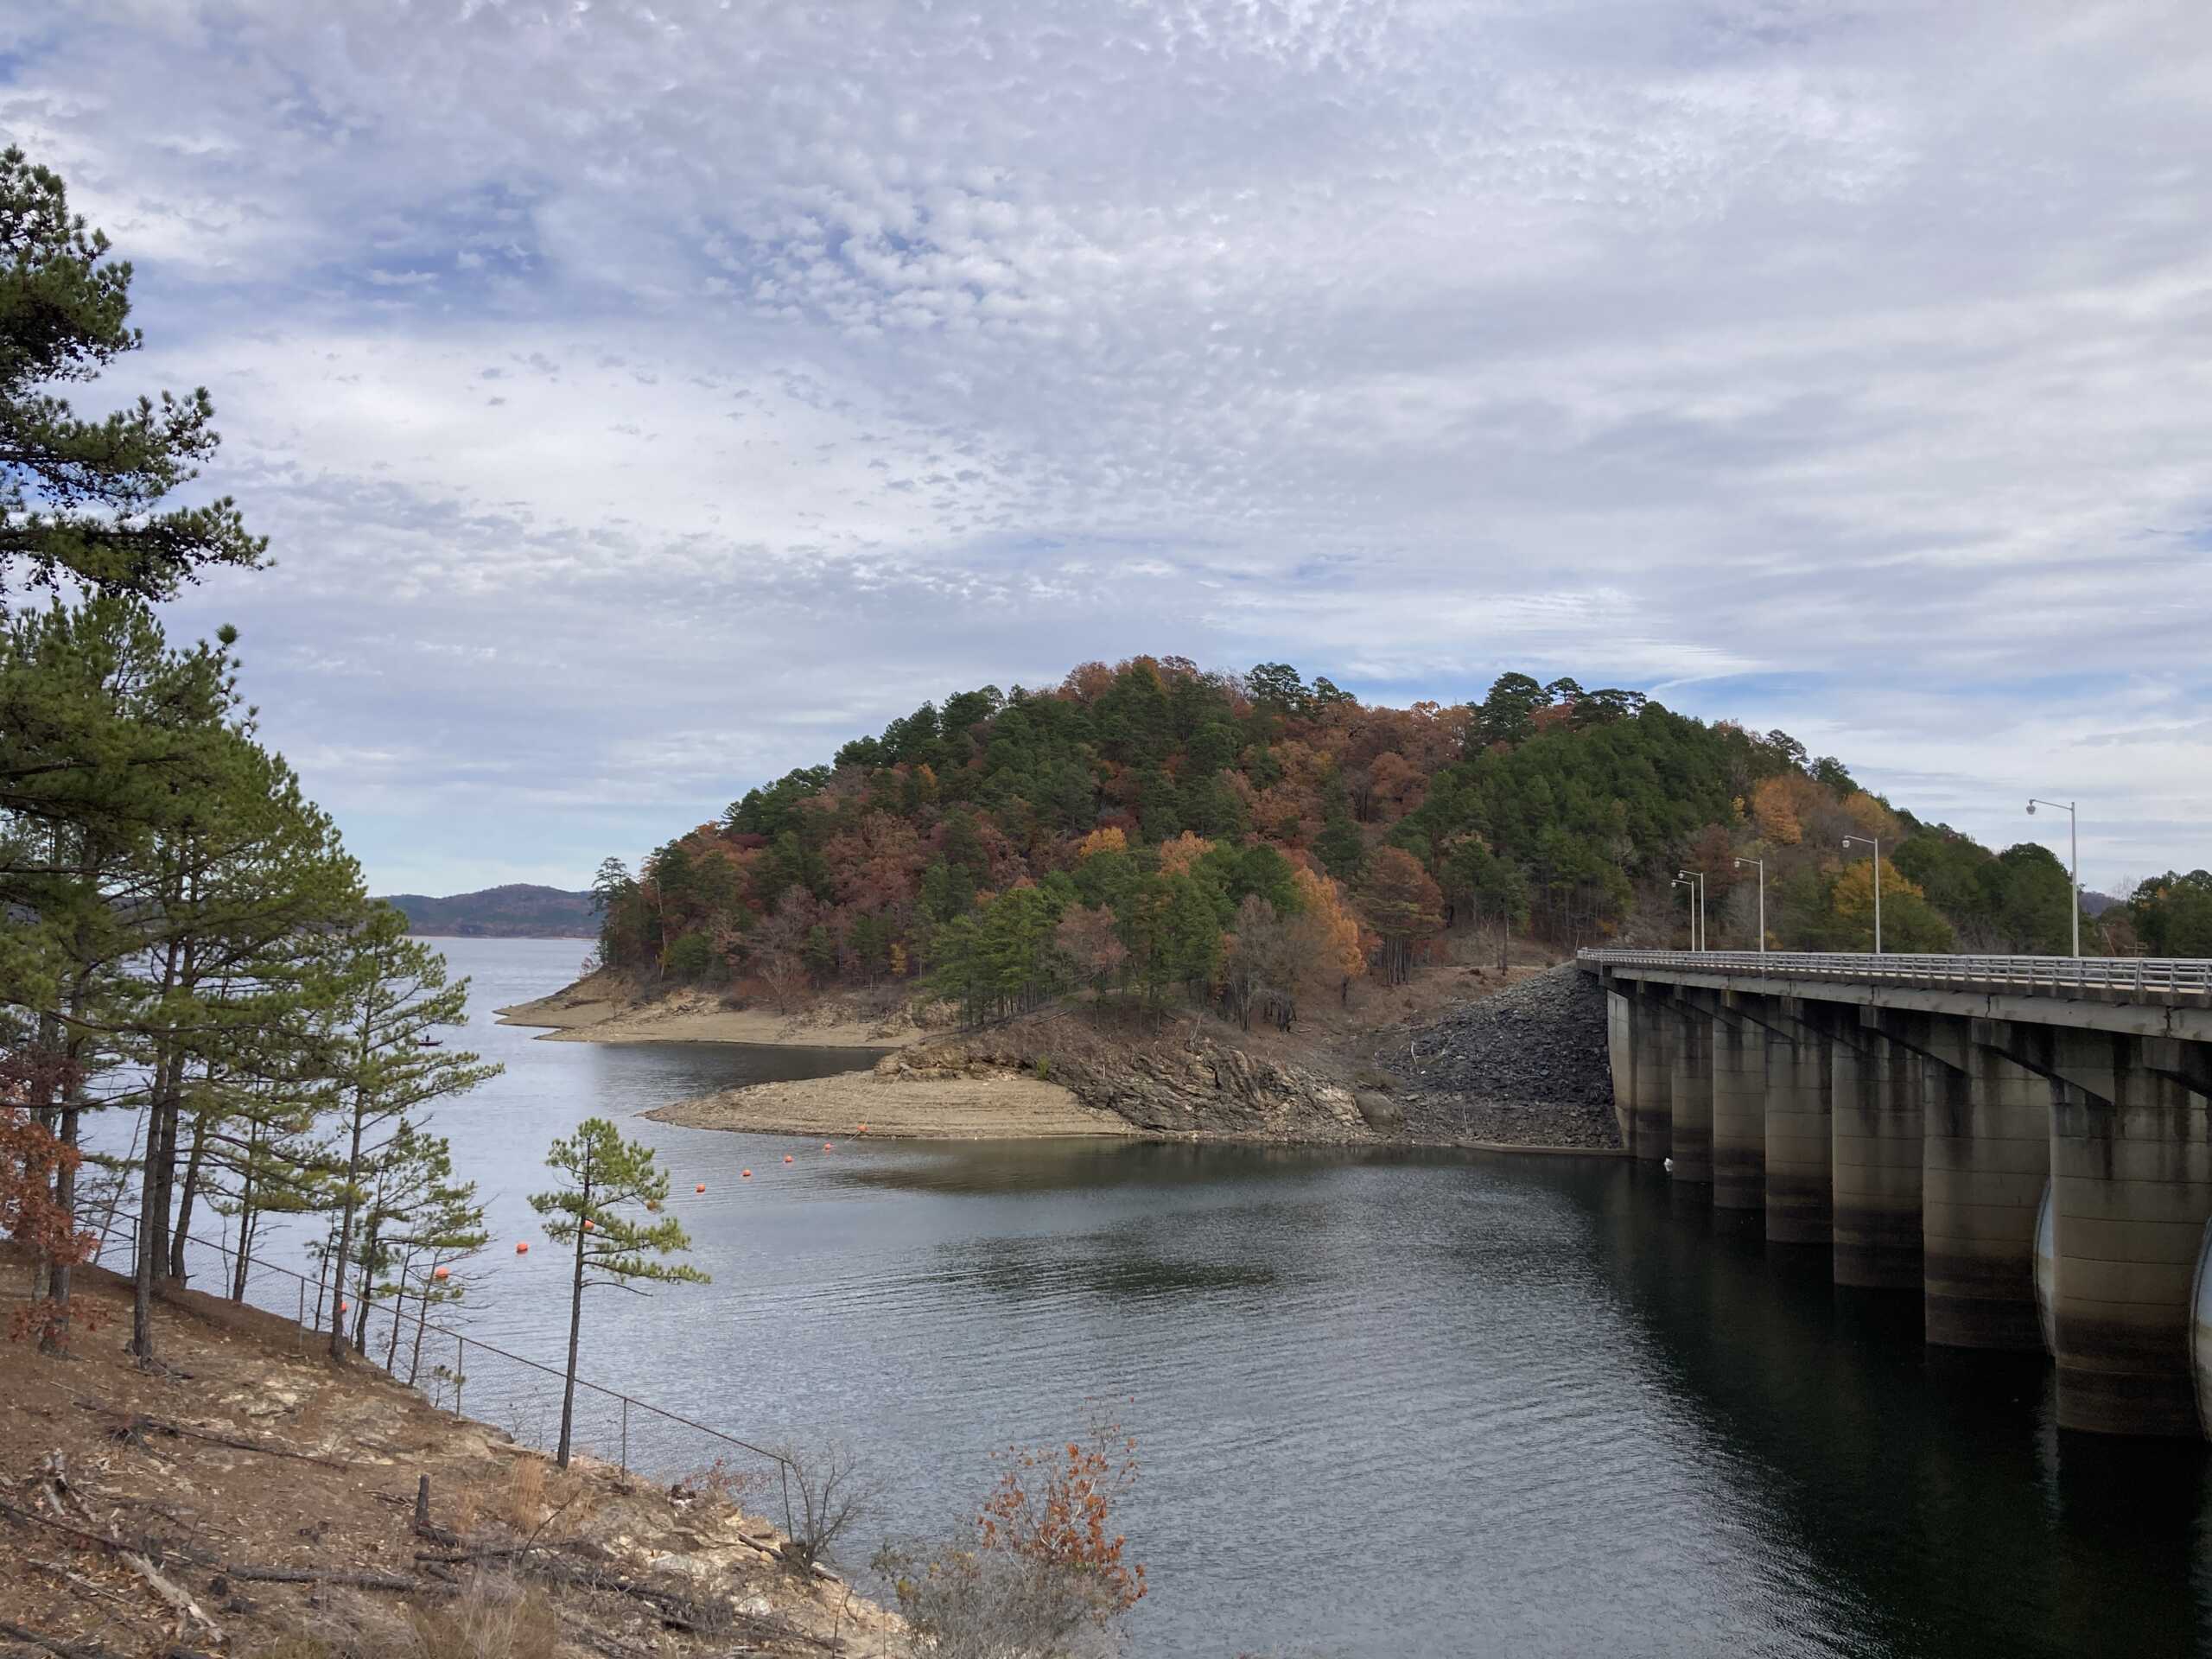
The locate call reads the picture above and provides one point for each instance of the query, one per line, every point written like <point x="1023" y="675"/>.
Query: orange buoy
<point x="345" y="1307"/>
<point x="587" y="1225"/>
<point x="523" y="1248"/>
<point x="700" y="1188"/>
<point x="828" y="1145"/>
<point x="442" y="1273"/>
<point x="787" y="1157"/>
<point x="863" y="1129"/>
<point x="746" y="1173"/>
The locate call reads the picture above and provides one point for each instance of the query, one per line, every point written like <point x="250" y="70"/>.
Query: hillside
<point x="1155" y="832"/>
<point x="254" y="1500"/>
<point x="518" y="911"/>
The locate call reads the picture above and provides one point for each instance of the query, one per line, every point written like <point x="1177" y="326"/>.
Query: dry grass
<point x="522" y="1505"/>
<point x="497" y="1618"/>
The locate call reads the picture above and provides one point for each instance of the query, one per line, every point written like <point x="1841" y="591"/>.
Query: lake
<point x="1385" y="1405"/>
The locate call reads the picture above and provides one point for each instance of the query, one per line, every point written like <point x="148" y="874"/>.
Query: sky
<point x="643" y="399"/>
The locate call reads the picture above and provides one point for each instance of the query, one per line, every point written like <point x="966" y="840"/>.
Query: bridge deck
<point x="2146" y="995"/>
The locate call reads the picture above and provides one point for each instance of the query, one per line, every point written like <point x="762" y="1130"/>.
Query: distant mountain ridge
<point x="517" y="910"/>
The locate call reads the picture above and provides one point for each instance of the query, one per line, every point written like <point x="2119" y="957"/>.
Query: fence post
<point x="302" y="1322"/>
<point x="624" y="1463"/>
<point x="460" y="1364"/>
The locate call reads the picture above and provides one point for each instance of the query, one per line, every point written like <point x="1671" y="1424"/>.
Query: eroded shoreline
<point x="1006" y="1108"/>
<point x="591" y="1011"/>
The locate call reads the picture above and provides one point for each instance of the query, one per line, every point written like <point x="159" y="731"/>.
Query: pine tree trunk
<point x="55" y="1338"/>
<point x="422" y="1320"/>
<point x="399" y="1309"/>
<point x="189" y="1192"/>
<point x="345" y="1238"/>
<point x="149" y="1217"/>
<point x="575" y="1328"/>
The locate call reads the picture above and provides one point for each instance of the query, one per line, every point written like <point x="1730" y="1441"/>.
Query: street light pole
<point x="1762" y="868"/>
<point x="1875" y="841"/>
<point x="2073" y="859"/>
<point x="1684" y="881"/>
<point x="1696" y="878"/>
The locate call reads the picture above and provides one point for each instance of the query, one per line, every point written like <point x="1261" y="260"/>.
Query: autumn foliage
<point x="32" y="1161"/>
<point x="1148" y="801"/>
<point x="1054" y="1506"/>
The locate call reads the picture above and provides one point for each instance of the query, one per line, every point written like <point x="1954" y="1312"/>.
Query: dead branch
<point x="79" y="1533"/>
<point x="351" y="1580"/>
<point x="136" y="1424"/>
<point x="177" y="1598"/>
<point x="20" y="1639"/>
<point x="130" y="1558"/>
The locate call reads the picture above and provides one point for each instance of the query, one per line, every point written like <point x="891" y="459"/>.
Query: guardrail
<point x="2109" y="978"/>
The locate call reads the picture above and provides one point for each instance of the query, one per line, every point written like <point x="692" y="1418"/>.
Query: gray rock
<point x="1383" y="1114"/>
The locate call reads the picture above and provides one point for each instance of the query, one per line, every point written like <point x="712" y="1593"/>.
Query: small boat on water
<point x="429" y="1042"/>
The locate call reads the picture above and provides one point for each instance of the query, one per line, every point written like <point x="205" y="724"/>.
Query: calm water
<point x="1400" y="1406"/>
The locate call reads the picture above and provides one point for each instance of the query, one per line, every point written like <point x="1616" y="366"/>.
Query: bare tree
<point x="826" y="1484"/>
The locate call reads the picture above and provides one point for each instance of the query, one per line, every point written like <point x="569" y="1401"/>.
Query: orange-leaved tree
<point x="1108" y="840"/>
<point x="34" y="1163"/>
<point x="1406" y="907"/>
<point x="1333" y="948"/>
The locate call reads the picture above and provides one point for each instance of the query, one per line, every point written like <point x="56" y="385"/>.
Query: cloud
<point x="1838" y="367"/>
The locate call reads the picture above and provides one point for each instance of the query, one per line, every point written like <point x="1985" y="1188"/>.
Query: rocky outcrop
<point x="1525" y="1067"/>
<point x="1175" y="1085"/>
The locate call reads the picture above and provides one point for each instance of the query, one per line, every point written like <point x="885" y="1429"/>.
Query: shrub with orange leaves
<point x="1037" y="1568"/>
<point x="1054" y="1506"/>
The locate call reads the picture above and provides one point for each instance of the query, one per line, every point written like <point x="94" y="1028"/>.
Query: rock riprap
<point x="1525" y="1067"/>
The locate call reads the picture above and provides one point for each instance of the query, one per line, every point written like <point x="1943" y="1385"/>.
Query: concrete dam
<point x="2026" y="1142"/>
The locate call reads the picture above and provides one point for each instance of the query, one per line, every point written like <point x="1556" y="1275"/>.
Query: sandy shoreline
<point x="946" y="1108"/>
<point x="587" y="1013"/>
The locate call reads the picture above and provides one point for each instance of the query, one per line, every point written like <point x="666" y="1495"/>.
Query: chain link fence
<point x="467" y="1377"/>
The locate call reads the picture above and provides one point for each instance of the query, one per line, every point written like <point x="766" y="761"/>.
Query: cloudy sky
<point x="643" y="399"/>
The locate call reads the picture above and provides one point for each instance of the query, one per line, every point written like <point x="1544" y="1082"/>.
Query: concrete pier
<point x="1690" y="1092"/>
<point x="1652" y="1020"/>
<point x="1800" y="1136"/>
<point x="1740" y="1102"/>
<point x="1986" y="1160"/>
<point x="1878" y="1126"/>
<point x="2131" y="1175"/>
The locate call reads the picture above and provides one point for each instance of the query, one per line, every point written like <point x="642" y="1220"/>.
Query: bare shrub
<point x="723" y="1481"/>
<point x="1038" y="1571"/>
<point x="965" y="1603"/>
<point x="496" y="1617"/>
<point x="825" y="1485"/>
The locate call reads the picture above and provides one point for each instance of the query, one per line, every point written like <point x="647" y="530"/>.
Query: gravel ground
<point x="1526" y="1067"/>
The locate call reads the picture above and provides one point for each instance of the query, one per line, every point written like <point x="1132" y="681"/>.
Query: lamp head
<point x="2031" y="808"/>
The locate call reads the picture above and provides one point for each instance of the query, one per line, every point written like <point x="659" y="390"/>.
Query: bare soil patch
<point x="605" y="1008"/>
<point x="995" y="1106"/>
<point x="255" y="1501"/>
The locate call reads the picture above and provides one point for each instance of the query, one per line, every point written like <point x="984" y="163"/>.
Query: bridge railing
<point x="2131" y="978"/>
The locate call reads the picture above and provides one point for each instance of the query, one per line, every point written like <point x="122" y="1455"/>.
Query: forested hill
<point x="516" y="912"/>
<point x="1130" y="813"/>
